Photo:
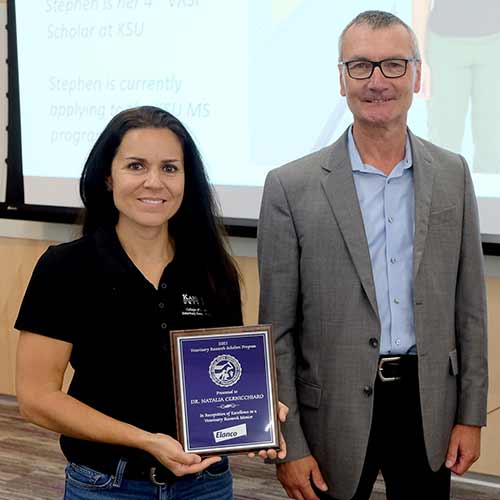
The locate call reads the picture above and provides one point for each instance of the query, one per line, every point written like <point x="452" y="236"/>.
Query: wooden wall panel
<point x="493" y="290"/>
<point x="18" y="256"/>
<point x="489" y="462"/>
<point x="250" y="289"/>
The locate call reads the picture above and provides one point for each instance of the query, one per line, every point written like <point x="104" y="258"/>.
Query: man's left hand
<point x="464" y="448"/>
<point x="281" y="453"/>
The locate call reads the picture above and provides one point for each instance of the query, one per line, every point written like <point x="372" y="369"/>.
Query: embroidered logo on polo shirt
<point x="191" y="300"/>
<point x="193" y="306"/>
<point x="225" y="370"/>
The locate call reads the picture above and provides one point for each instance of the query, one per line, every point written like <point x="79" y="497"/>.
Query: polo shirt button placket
<point x="163" y="306"/>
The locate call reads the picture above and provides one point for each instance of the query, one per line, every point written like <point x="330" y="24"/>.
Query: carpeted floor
<point x="31" y="467"/>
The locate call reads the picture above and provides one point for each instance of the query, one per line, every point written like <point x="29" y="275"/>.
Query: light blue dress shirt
<point x="388" y="208"/>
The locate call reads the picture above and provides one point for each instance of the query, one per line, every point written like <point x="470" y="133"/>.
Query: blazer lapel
<point x="423" y="175"/>
<point x="340" y="191"/>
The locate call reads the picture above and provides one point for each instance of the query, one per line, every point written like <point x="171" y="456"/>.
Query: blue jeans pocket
<point x="85" y="477"/>
<point x="214" y="483"/>
<point x="218" y="469"/>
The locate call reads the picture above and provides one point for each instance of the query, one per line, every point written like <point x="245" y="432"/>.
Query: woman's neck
<point x="150" y="249"/>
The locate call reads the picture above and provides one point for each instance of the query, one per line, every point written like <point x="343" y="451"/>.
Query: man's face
<point x="379" y="101"/>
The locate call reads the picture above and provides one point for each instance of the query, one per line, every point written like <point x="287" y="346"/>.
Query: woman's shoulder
<point x="70" y="255"/>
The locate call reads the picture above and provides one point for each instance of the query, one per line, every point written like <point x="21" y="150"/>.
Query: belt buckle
<point x="153" y="479"/>
<point x="381" y="369"/>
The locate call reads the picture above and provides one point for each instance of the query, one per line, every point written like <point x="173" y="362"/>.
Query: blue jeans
<point x="84" y="483"/>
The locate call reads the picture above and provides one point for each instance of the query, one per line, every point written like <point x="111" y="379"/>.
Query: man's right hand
<point x="296" y="477"/>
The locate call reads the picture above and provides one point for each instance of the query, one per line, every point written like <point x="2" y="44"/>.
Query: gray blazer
<point x="317" y="290"/>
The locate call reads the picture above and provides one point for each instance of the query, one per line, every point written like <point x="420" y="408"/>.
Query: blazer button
<point x="367" y="390"/>
<point x="373" y="342"/>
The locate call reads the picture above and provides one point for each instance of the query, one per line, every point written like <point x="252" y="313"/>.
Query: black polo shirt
<point x="89" y="293"/>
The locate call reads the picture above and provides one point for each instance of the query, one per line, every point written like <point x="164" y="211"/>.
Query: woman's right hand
<point x="41" y="362"/>
<point x="169" y="452"/>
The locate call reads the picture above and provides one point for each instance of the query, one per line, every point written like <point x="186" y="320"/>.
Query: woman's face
<point x="147" y="177"/>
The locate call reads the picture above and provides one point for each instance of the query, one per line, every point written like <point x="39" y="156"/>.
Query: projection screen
<point x="256" y="82"/>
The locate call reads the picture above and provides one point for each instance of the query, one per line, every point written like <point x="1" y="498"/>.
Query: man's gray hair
<point x="378" y="19"/>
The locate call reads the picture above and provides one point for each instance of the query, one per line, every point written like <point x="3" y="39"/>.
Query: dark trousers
<point x="396" y="446"/>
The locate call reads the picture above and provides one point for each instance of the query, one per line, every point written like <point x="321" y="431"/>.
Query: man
<point x="371" y="274"/>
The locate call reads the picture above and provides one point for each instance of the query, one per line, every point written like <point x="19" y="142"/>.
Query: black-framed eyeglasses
<point x="362" y="69"/>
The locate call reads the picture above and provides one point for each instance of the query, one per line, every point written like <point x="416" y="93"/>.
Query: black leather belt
<point x="394" y="368"/>
<point x="157" y="474"/>
<point x="134" y="470"/>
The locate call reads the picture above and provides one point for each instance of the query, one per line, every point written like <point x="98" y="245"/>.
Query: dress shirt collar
<point x="359" y="166"/>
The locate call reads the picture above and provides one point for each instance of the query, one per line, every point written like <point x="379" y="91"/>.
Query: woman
<point x="106" y="303"/>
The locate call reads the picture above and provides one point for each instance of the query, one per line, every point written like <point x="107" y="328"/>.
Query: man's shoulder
<point x="308" y="165"/>
<point x="438" y="155"/>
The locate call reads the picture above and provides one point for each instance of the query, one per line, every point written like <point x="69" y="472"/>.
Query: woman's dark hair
<point x="195" y="228"/>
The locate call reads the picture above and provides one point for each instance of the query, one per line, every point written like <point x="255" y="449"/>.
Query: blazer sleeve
<point x="471" y="316"/>
<point x="279" y="254"/>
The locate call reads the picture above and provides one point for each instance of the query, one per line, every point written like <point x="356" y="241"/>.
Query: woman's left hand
<point x="271" y="453"/>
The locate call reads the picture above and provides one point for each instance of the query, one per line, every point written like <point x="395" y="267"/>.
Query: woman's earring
<point x="109" y="186"/>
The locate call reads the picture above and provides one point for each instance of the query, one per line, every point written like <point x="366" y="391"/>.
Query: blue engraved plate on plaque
<point x="226" y="391"/>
